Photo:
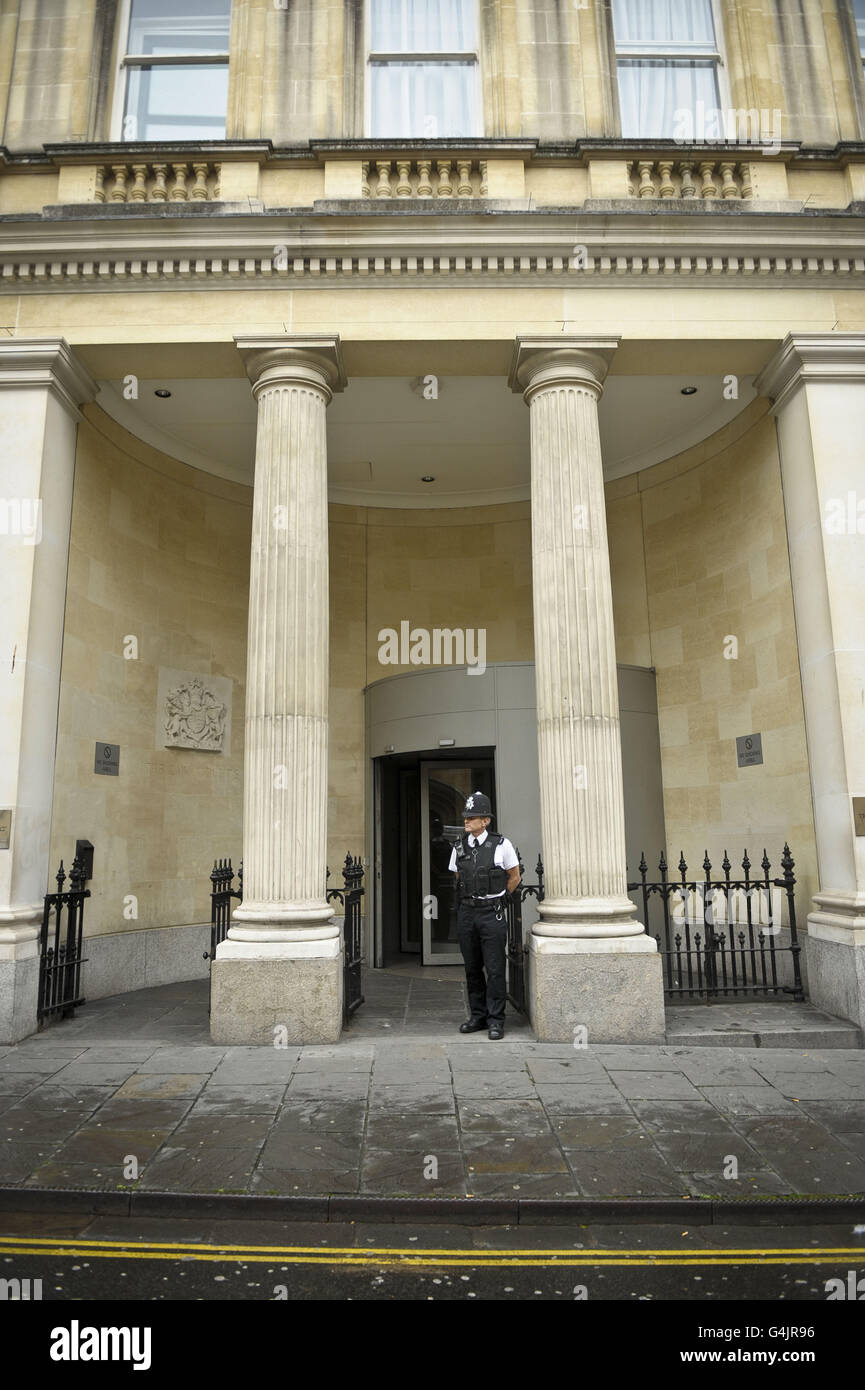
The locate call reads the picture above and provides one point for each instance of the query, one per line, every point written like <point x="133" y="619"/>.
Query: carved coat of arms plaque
<point x="193" y="711"/>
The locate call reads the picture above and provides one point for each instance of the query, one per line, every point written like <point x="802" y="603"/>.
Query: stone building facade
<point x="542" y="321"/>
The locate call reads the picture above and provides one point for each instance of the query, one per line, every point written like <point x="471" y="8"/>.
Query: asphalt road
<point x="704" y="1294"/>
<point x="116" y="1259"/>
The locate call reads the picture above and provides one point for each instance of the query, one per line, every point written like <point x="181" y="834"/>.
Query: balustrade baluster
<point x="707" y="174"/>
<point x="138" y="191"/>
<point x="445" y="184"/>
<point x="403" y="184"/>
<point x="665" y="169"/>
<point x="647" y="186"/>
<point x="118" y="192"/>
<point x="199" y="188"/>
<point x="159" y="191"/>
<point x="728" y="183"/>
<point x="178" y="189"/>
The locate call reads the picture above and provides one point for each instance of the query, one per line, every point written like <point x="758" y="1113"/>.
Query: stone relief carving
<point x="194" y="711"/>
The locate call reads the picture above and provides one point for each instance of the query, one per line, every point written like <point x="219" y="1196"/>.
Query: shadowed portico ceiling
<point x="383" y="436"/>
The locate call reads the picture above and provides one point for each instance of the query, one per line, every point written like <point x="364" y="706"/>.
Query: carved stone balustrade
<point x="695" y="176"/>
<point x="424" y="177"/>
<point x="181" y="181"/>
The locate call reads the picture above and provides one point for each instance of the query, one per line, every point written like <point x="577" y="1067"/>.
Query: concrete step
<point x="762" y="1024"/>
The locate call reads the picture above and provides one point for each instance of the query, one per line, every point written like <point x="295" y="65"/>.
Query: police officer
<point x="486" y="867"/>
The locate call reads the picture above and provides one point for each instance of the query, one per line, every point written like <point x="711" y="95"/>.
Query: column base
<point x="835" y="955"/>
<point x="266" y="993"/>
<point x="613" y="989"/>
<point x="19" y="998"/>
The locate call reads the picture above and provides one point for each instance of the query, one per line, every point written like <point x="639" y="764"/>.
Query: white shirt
<point x="505" y="856"/>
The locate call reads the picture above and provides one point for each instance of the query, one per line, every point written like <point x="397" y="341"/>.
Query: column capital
<point x="48" y="363"/>
<point x="293" y="360"/>
<point x="808" y="357"/>
<point x="560" y="361"/>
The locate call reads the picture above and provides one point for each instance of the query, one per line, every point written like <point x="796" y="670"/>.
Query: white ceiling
<point x="382" y="436"/>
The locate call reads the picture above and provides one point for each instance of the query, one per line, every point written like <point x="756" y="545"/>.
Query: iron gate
<point x="709" y="953"/>
<point x="60" y="962"/>
<point x="517" y="948"/>
<point x="222" y="892"/>
<point x="352" y="960"/>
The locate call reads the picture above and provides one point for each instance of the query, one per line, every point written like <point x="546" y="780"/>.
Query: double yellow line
<point x="407" y="1256"/>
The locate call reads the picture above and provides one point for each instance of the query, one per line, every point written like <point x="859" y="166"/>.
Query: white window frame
<point x="126" y="61"/>
<point x="381" y="57"/>
<point x="651" y="48"/>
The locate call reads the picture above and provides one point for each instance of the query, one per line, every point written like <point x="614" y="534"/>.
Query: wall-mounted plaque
<point x="749" y="750"/>
<point x="6" y="828"/>
<point x="858" y="814"/>
<point x="193" y="711"/>
<point x="107" y="759"/>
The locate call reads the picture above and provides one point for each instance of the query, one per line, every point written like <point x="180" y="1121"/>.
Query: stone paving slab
<point x="513" y="1119"/>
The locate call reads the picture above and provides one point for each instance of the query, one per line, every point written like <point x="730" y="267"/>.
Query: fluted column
<point x="42" y="384"/>
<point x="817" y="384"/>
<point x="285" y="768"/>
<point x="284" y="916"/>
<point x="586" y="908"/>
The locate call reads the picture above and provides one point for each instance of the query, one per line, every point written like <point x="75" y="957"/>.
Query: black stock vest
<point x="479" y="875"/>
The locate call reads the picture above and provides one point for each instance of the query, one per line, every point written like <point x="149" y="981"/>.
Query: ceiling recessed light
<point x="689" y="390"/>
<point x="427" y="478"/>
<point x="162" y="393"/>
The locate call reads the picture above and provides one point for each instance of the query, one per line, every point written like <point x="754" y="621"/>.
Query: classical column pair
<point x="592" y="964"/>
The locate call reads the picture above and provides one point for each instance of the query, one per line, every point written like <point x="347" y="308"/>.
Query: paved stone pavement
<point x="418" y="1109"/>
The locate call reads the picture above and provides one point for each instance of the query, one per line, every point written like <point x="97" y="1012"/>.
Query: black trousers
<point x="483" y="936"/>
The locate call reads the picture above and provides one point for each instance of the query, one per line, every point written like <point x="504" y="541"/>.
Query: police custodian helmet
<point x="477" y="805"/>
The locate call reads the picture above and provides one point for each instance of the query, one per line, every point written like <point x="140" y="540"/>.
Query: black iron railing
<point x="718" y="937"/>
<point x="221" y="894"/>
<point x="352" y="961"/>
<point x="60" y="957"/>
<point x="517" y="947"/>
<point x="349" y="896"/>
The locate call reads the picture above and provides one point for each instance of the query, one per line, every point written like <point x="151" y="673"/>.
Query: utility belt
<point x="482" y="902"/>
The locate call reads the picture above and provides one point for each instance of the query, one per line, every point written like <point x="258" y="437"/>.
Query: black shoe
<point x="497" y="1030"/>
<point x="473" y="1025"/>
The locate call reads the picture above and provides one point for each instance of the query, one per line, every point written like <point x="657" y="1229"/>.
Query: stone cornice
<point x="531" y="150"/>
<point x="128" y="151"/>
<point x="218" y="246"/>
<point x="810" y="357"/>
<point x="529" y="147"/>
<point x="49" y="364"/>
